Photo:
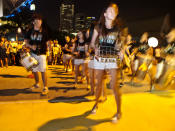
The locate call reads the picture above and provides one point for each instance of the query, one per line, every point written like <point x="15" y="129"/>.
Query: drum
<point x="28" y="61"/>
<point x="165" y="74"/>
<point x="144" y="62"/>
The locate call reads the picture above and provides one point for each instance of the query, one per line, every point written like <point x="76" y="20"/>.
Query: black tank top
<point x="80" y="47"/>
<point x="107" y="43"/>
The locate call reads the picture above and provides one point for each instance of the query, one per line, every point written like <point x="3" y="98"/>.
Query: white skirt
<point x="91" y="64"/>
<point x="79" y="61"/>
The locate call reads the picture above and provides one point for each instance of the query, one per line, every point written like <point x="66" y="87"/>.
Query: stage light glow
<point x="153" y="42"/>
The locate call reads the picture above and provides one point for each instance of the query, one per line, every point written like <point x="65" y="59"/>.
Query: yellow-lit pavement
<point x="141" y="112"/>
<point x="28" y="111"/>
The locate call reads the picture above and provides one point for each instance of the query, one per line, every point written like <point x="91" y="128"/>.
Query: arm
<point x="86" y="49"/>
<point x="93" y="40"/>
<point x="27" y="45"/>
<point x="73" y="50"/>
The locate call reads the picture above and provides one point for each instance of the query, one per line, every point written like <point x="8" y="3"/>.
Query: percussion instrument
<point x="28" y="61"/>
<point x="165" y="73"/>
<point x="143" y="62"/>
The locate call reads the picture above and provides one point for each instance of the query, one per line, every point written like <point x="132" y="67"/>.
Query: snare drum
<point x="144" y="62"/>
<point x="28" y="61"/>
<point x="165" y="73"/>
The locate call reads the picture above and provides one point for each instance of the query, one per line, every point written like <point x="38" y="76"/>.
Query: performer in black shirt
<point x="36" y="40"/>
<point x="80" y="49"/>
<point x="107" y="51"/>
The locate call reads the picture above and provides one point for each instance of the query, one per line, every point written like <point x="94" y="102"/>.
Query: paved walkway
<point x="67" y="108"/>
<point x="141" y="112"/>
<point x="14" y="82"/>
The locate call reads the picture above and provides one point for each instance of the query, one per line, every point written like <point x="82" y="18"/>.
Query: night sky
<point x="130" y="10"/>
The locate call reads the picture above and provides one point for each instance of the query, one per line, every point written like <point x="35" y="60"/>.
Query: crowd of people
<point x="10" y="52"/>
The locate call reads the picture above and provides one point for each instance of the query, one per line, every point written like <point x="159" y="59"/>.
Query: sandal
<point x="115" y="118"/>
<point x="94" y="109"/>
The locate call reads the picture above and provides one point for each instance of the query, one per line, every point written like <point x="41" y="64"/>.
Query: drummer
<point x="36" y="40"/>
<point x="80" y="50"/>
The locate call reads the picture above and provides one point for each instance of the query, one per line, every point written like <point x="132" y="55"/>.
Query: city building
<point x="67" y="12"/>
<point x="89" y="20"/>
<point x="83" y="22"/>
<point x="1" y="8"/>
<point x="80" y="21"/>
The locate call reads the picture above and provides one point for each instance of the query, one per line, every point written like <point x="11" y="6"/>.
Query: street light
<point x="19" y="30"/>
<point x="32" y="7"/>
<point x="153" y="42"/>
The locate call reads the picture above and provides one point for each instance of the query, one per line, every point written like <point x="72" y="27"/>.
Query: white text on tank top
<point x="109" y="40"/>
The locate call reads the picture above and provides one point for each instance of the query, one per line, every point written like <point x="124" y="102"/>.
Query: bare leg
<point x="44" y="78"/>
<point x="115" y="73"/>
<point x="14" y="60"/>
<point x="73" y="66"/>
<point x="86" y="73"/>
<point x="36" y="77"/>
<point x="104" y="87"/>
<point x="6" y="62"/>
<point x="1" y="63"/>
<point x="76" y="73"/>
<point x="56" y="58"/>
<point x="92" y="80"/>
<point x="99" y="74"/>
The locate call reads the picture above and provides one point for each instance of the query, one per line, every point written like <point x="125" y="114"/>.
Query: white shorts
<point x="66" y="57"/>
<point x="91" y="64"/>
<point x="42" y="63"/>
<point x="79" y="61"/>
<point x="105" y="63"/>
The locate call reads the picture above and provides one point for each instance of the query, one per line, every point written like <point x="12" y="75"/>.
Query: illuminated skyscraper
<point x="79" y="22"/>
<point x="82" y="22"/>
<point x="1" y="8"/>
<point x="67" y="11"/>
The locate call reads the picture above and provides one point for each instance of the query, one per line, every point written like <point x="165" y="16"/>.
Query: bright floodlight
<point x="153" y="42"/>
<point x="32" y="7"/>
<point x="12" y="39"/>
<point x="19" y="30"/>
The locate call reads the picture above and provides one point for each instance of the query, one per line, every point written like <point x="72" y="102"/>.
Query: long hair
<point x="101" y="23"/>
<point x="84" y="35"/>
<point x="91" y="31"/>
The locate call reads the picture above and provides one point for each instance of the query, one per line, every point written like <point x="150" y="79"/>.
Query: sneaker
<point x="35" y="86"/>
<point x="45" y="91"/>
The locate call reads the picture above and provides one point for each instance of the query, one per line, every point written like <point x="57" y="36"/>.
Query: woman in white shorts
<point x="107" y="50"/>
<point x="67" y="56"/>
<point x="80" y="49"/>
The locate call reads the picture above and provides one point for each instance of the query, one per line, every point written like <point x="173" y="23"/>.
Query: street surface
<point x="66" y="108"/>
